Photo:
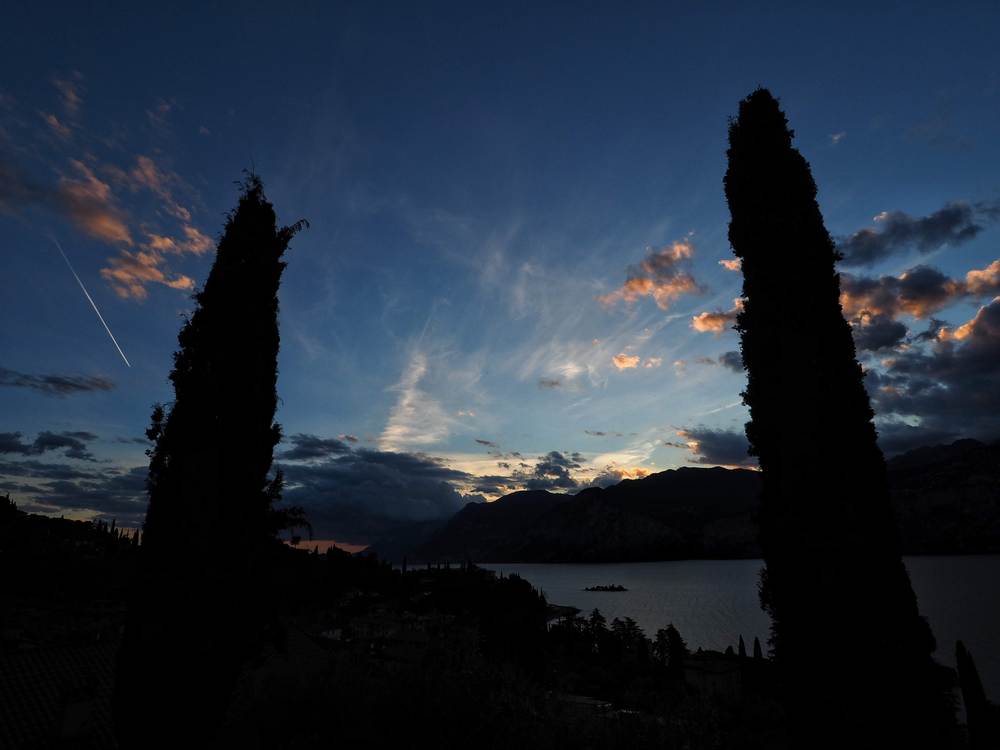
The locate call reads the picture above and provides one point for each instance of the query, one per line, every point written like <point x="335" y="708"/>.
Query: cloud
<point x="625" y="361"/>
<point x="662" y="275"/>
<point x="717" y="321"/>
<point x="985" y="281"/>
<point x="488" y="443"/>
<point x="952" y="225"/>
<point x="551" y="472"/>
<point x="416" y="419"/>
<point x="731" y="360"/>
<point x="310" y="447"/>
<point x="921" y="291"/>
<point x="57" y="126"/>
<point x="55" y="385"/>
<point x="73" y="444"/>
<point x="715" y="447"/>
<point x="118" y="493"/>
<point x="89" y="203"/>
<point x="836" y="138"/>
<point x="875" y="332"/>
<point x="652" y="362"/>
<point x="129" y="273"/>
<point x="731" y="264"/>
<point x="70" y="91"/>
<point x="946" y="386"/>
<point x="612" y="475"/>
<point x="147" y="174"/>
<point x="194" y="241"/>
<point x="361" y="494"/>
<point x="549" y="383"/>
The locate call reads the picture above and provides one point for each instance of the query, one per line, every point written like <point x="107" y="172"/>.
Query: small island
<point x="612" y="587"/>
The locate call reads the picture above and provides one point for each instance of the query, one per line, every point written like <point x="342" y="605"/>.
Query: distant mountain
<point x="688" y="512"/>
<point x="947" y="500"/>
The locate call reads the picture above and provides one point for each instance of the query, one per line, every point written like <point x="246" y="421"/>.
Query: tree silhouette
<point x="676" y="650"/>
<point x="834" y="583"/>
<point x="210" y="525"/>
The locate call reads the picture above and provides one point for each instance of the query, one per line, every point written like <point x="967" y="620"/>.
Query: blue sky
<point x="477" y="180"/>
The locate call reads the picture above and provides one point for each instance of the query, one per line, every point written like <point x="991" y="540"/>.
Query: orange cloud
<point x="658" y="276"/>
<point x="91" y="206"/>
<point x="717" y="321"/>
<point x="195" y="241"/>
<point x="624" y="361"/>
<point x="69" y="91"/>
<point x="129" y="273"/>
<point x="732" y="264"/>
<point x="58" y="127"/>
<point x="628" y="472"/>
<point x="970" y="327"/>
<point x="920" y="292"/>
<point x="984" y="281"/>
<point x="148" y="175"/>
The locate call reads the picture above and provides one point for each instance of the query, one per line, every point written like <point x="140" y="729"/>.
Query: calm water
<point x="712" y="602"/>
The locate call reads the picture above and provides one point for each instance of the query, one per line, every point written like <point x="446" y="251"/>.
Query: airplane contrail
<point x="90" y="300"/>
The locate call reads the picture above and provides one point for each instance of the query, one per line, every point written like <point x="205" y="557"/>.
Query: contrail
<point x="90" y="300"/>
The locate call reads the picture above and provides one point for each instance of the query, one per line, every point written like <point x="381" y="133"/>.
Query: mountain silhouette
<point x="686" y="512"/>
<point x="946" y="498"/>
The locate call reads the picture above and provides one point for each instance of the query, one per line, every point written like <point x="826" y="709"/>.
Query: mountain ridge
<point x="946" y="498"/>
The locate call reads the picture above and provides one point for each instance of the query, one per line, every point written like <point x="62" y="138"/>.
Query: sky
<point x="517" y="273"/>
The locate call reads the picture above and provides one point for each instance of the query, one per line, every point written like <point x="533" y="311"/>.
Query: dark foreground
<point x="361" y="653"/>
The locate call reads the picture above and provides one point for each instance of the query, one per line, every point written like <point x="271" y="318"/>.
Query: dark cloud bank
<point x="951" y="225"/>
<point x="55" y="385"/>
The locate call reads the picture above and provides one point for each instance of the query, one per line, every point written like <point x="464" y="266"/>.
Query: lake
<point x="713" y="602"/>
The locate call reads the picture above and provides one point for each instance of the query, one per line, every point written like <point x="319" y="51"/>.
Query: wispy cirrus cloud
<point x="416" y="419"/>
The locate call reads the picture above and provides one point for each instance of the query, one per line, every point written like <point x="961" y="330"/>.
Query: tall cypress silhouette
<point x="210" y="525"/>
<point x="853" y="651"/>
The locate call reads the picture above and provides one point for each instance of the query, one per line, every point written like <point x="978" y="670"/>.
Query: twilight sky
<point x="513" y="273"/>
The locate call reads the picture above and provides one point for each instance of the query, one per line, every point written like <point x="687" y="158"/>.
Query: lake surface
<point x="713" y="602"/>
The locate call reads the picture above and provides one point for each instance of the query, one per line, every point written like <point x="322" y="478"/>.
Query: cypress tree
<point x="852" y="649"/>
<point x="210" y="524"/>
